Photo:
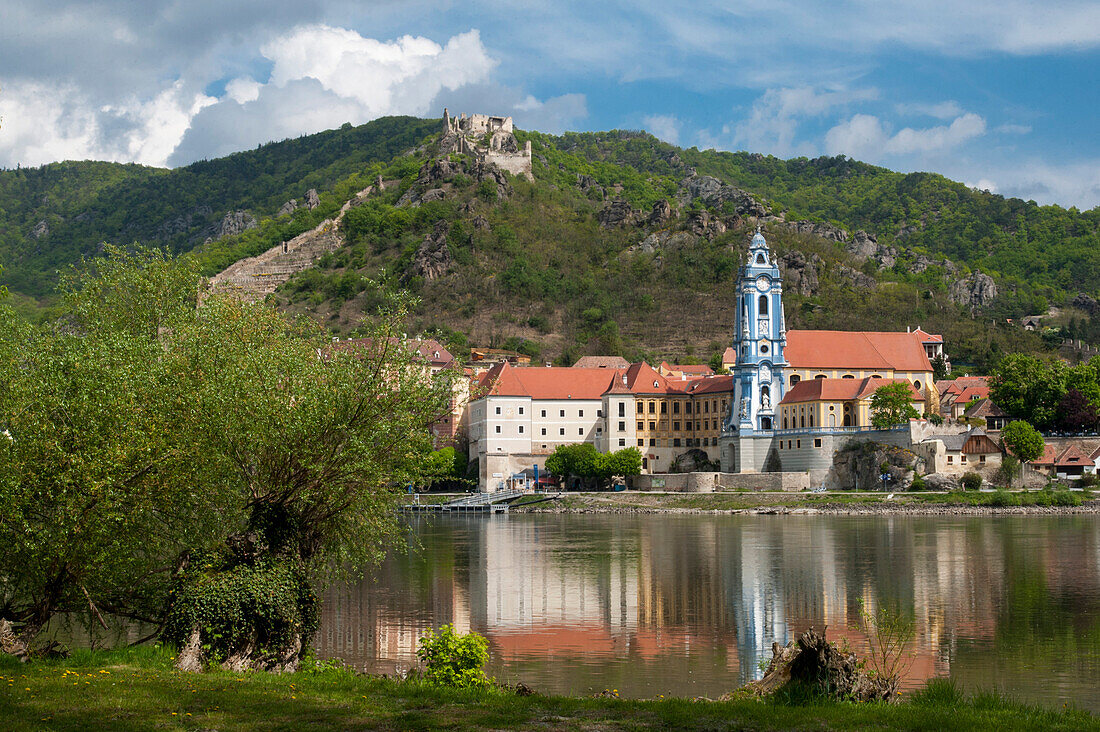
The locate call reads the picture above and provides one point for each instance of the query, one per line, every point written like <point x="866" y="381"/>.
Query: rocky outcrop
<point x="312" y="199"/>
<point x="800" y="273"/>
<point x="433" y="194"/>
<point x="1086" y="303"/>
<point x="433" y="258"/>
<point x="440" y="170"/>
<point x="821" y="231"/>
<point x="701" y="223"/>
<point x="40" y="230"/>
<point x="184" y="223"/>
<point x="974" y="292"/>
<point x="617" y="213"/>
<point x="859" y="465"/>
<point x="588" y="184"/>
<point x="854" y="277"/>
<point x="234" y="223"/>
<point x="288" y="208"/>
<point x="714" y="192"/>
<point x="660" y="214"/>
<point x="941" y="482"/>
<point x="481" y="223"/>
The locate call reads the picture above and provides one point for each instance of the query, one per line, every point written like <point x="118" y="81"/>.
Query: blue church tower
<point x="759" y="339"/>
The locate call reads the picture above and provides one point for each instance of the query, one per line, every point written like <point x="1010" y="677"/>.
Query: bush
<point x="918" y="483"/>
<point x="1087" y="480"/>
<point x="941" y="693"/>
<point x="1003" y="498"/>
<point x="971" y="481"/>
<point x="453" y="659"/>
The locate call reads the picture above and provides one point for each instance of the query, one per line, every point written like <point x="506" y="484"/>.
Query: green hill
<point x="586" y="258"/>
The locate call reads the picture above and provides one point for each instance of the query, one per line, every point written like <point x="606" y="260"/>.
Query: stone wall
<point x="711" y="482"/>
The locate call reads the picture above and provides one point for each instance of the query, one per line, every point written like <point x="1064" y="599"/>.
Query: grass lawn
<point x="137" y="689"/>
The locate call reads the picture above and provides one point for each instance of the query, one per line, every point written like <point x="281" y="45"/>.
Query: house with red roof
<point x="958" y="395"/>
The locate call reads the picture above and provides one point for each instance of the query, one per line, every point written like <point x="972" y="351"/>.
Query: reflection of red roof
<point x="838" y="390"/>
<point x="841" y="349"/>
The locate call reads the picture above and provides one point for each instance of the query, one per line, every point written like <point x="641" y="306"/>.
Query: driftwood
<point x="813" y="662"/>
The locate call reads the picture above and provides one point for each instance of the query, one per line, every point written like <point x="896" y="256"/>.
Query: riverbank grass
<point x="138" y="689"/>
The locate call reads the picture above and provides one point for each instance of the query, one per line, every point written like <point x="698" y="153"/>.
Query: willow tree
<point x="95" y="498"/>
<point x="312" y="440"/>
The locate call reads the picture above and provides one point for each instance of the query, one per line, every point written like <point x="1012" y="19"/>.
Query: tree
<point x="1028" y="389"/>
<point x="892" y="405"/>
<point x="1075" y="412"/>
<point x="1022" y="440"/>
<point x="96" y="495"/>
<point x="591" y="467"/>
<point x="939" y="367"/>
<point x="313" y="443"/>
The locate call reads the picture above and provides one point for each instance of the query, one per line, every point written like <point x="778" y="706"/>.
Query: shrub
<point x="972" y="481"/>
<point x="1003" y="498"/>
<point x="918" y="483"/>
<point x="454" y="659"/>
<point x="941" y="693"/>
<point x="1087" y="480"/>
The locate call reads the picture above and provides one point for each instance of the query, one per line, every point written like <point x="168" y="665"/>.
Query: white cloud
<point x="774" y="122"/>
<point x="243" y="89"/>
<point x="865" y="137"/>
<point x="322" y="77"/>
<point x="940" y="110"/>
<point x="394" y="77"/>
<point x="664" y="127"/>
<point x="44" y="123"/>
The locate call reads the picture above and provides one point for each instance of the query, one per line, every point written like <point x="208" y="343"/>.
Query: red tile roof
<point x="927" y="337"/>
<point x="729" y="355"/>
<point x="1049" y="456"/>
<point x="1072" y="456"/>
<point x="549" y="382"/>
<point x="839" y="390"/>
<point x="698" y="369"/>
<point x="957" y="386"/>
<point x="841" y="349"/>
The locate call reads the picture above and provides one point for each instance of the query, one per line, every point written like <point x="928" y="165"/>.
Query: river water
<point x="689" y="605"/>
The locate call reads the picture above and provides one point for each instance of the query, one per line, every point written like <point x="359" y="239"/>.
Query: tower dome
<point x="758" y="241"/>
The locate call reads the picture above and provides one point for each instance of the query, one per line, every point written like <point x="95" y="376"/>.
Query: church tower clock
<point x="759" y="339"/>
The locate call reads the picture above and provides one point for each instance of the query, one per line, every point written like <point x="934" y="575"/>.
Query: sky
<point x="1003" y="96"/>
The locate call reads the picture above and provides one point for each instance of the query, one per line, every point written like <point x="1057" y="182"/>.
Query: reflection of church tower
<point x="759" y="338"/>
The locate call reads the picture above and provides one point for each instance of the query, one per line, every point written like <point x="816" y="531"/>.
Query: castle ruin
<point x="489" y="139"/>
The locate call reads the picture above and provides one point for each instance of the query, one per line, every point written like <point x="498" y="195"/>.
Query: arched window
<point x="847" y="420"/>
<point x="847" y="376"/>
<point x="766" y="423"/>
<point x="820" y="376"/>
<point x="784" y="423"/>
<point x="763" y="304"/>
<point x="795" y="378"/>
<point x="760" y="258"/>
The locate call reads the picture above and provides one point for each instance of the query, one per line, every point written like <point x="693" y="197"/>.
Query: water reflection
<point x="689" y="605"/>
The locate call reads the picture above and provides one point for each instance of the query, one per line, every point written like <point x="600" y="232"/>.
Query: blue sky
<point x="999" y="95"/>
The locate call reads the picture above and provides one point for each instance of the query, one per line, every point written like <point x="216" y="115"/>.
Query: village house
<point x="972" y="451"/>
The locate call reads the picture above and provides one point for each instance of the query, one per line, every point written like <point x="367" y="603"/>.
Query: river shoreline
<point x="798" y="504"/>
